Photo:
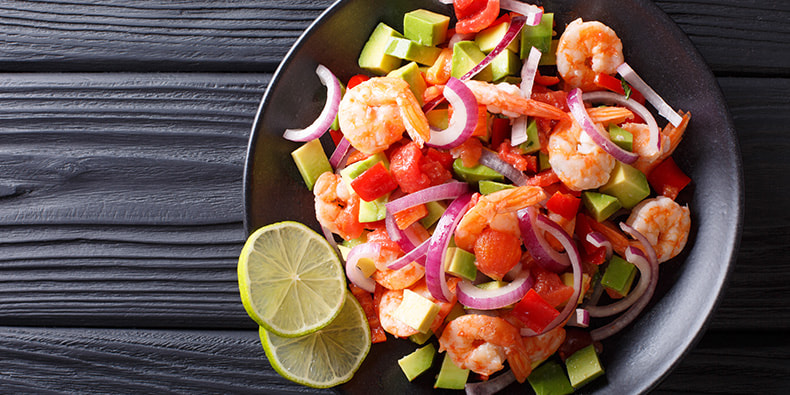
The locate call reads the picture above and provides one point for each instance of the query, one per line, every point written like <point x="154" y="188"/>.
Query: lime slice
<point x="324" y="358"/>
<point x="290" y="279"/>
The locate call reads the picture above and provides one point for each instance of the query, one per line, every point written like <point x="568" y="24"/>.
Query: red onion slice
<point x="579" y="114"/>
<point x="533" y="13"/>
<point x="434" y="262"/>
<point x="580" y="318"/>
<point x="664" y="109"/>
<point x="340" y="153"/>
<point x="518" y="133"/>
<point x="491" y="159"/>
<point x="573" y="255"/>
<point x="626" y="302"/>
<point x="450" y="190"/>
<point x="491" y="386"/>
<point x="471" y="296"/>
<point x="416" y="254"/>
<point x="516" y="23"/>
<point x="353" y="272"/>
<point x="464" y="119"/>
<point x="637" y="257"/>
<point x="396" y="234"/>
<point x="633" y="105"/>
<point x="531" y="222"/>
<point x="327" y="116"/>
<point x="598" y="240"/>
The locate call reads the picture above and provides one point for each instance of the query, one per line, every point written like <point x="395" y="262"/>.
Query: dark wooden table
<point x="123" y="129"/>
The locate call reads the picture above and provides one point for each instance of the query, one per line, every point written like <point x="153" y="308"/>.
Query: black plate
<point x="690" y="286"/>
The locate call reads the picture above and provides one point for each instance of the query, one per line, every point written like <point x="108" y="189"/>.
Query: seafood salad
<point x="500" y="188"/>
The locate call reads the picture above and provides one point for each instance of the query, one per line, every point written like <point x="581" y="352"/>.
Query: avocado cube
<point x="438" y="118"/>
<point x="421" y="338"/>
<point x="491" y="285"/>
<point x="373" y="57"/>
<point x="619" y="276"/>
<point x="623" y="138"/>
<point x="411" y="74"/>
<point x="403" y="48"/>
<point x="457" y="311"/>
<point x="435" y="211"/>
<point x="355" y="169"/>
<point x="550" y="58"/>
<point x="416" y="311"/>
<point x="487" y="186"/>
<point x="538" y="36"/>
<point x="627" y="184"/>
<point x="543" y="161"/>
<point x="374" y="210"/>
<point x="467" y="55"/>
<point x="532" y="144"/>
<point x="488" y="38"/>
<point x="583" y="366"/>
<point x="460" y="263"/>
<point x="505" y="64"/>
<point x="567" y="279"/>
<point x="311" y="161"/>
<point x="425" y="27"/>
<point x="550" y="379"/>
<point x="417" y="362"/>
<point x="450" y="375"/>
<point x="474" y="174"/>
<point x="601" y="206"/>
<point x="509" y="79"/>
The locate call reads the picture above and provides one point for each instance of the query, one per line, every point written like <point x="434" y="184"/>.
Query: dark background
<point x="123" y="131"/>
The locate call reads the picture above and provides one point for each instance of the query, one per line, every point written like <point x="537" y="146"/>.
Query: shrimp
<point x="586" y="49"/>
<point x="578" y="162"/>
<point x="609" y="115"/>
<point x="664" y="223"/>
<point x="375" y="113"/>
<point x="481" y="343"/>
<point x="506" y="99"/>
<point x="400" y="278"/>
<point x="498" y="211"/>
<point x="670" y="138"/>
<point x="337" y="208"/>
<point x="540" y="347"/>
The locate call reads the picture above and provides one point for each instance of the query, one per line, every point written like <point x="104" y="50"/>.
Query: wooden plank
<point x="86" y="360"/>
<point x="205" y="35"/>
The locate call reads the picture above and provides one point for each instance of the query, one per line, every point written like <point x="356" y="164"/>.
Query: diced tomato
<point x="496" y="252"/>
<point x="613" y="84"/>
<point x="374" y="183"/>
<point x="475" y="15"/>
<point x="550" y="287"/>
<point x="534" y="311"/>
<point x="513" y="156"/>
<point x="544" y="178"/>
<point x="667" y="178"/>
<point x="407" y="217"/>
<point x="337" y="135"/>
<point x="500" y="130"/>
<point x="348" y="220"/>
<point x="356" y="80"/>
<point x="564" y="204"/>
<point x="469" y="151"/>
<point x="557" y="99"/>
<point x="365" y="299"/>
<point x="443" y="157"/>
<point x="405" y="167"/>
<point x="435" y="169"/>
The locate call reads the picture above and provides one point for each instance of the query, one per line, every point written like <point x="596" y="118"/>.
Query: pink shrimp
<point x="336" y="208"/>
<point x="506" y="99"/>
<point x="586" y="49"/>
<point x="576" y="159"/>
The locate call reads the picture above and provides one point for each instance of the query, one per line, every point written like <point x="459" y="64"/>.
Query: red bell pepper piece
<point x="544" y="178"/>
<point x="475" y="15"/>
<point x="356" y="80"/>
<point x="500" y="130"/>
<point x="374" y="183"/>
<point x="550" y="287"/>
<point x="564" y="204"/>
<point x="667" y="178"/>
<point x="534" y="311"/>
<point x="613" y="84"/>
<point x="336" y="136"/>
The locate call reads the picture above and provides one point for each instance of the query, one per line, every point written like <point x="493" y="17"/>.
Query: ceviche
<point x="499" y="191"/>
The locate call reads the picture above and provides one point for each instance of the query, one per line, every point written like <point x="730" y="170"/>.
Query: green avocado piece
<point x="488" y="187"/>
<point x="353" y="170"/>
<point x="311" y="161"/>
<point x="601" y="206"/>
<point x="374" y="210"/>
<point x="435" y="211"/>
<point x="425" y="27"/>
<point x="583" y="366"/>
<point x="373" y="57"/>
<point x="451" y="376"/>
<point x="538" y="36"/>
<point x="460" y="263"/>
<point x="411" y="74"/>
<point x="619" y="275"/>
<point x="532" y="144"/>
<point x="420" y="338"/>
<point x="627" y="184"/>
<point x="488" y="38"/>
<point x="550" y="58"/>
<point x="438" y="118"/>
<point x="403" y="48"/>
<point x="510" y="79"/>
<point x="543" y="161"/>
<point x="416" y="311"/>
<point x="550" y="379"/>
<point x="505" y="64"/>
<point x="417" y="362"/>
<point x="465" y="56"/>
<point x="474" y="174"/>
<point x="623" y="138"/>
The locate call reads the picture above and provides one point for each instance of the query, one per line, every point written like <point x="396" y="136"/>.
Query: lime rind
<point x="290" y="279"/>
<point x="335" y="352"/>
